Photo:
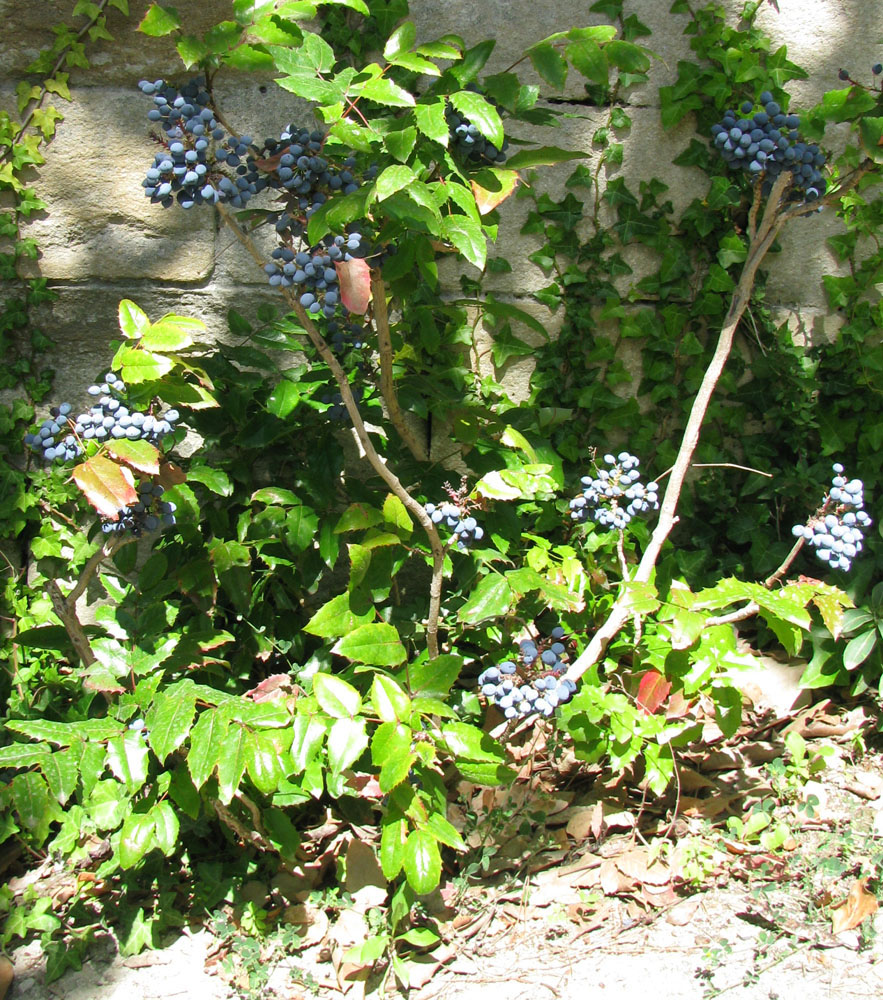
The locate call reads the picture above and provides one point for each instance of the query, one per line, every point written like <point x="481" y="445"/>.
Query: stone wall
<point x="101" y="240"/>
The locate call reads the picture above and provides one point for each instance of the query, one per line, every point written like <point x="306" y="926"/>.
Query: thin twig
<point x="374" y="459"/>
<point x="786" y="564"/>
<point x="387" y="388"/>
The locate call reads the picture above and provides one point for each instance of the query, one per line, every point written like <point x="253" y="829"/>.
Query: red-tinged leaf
<point x="106" y="485"/>
<point x="355" y="284"/>
<point x="652" y="691"/>
<point x="141" y="455"/>
<point x="486" y="201"/>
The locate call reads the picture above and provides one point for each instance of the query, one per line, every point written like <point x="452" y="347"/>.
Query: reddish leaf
<point x="355" y="284"/>
<point x="859" y="905"/>
<point x="487" y="201"/>
<point x="106" y="485"/>
<point x="141" y="455"/>
<point x="652" y="691"/>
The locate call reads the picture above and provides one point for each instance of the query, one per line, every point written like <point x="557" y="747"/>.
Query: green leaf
<point x="159" y="20"/>
<point x="206" y="741"/>
<point x="395" y="513"/>
<point x="727" y="708"/>
<point x="30" y="795"/>
<point x="231" y="762"/>
<point x="22" y="755"/>
<point x="136" y="839"/>
<point x="347" y="739"/>
<point x="859" y="649"/>
<point x="627" y="56"/>
<point x="485" y="772"/>
<point x="390" y="741"/>
<point x="467" y="236"/>
<point x="336" y="618"/>
<point x="490" y="599"/>
<point x="140" y="455"/>
<point x="431" y="121"/>
<point x="588" y="58"/>
<point x="422" y="861"/>
<point x="214" y="479"/>
<point x="283" y="399"/>
<point x="336" y="696"/>
<point x="390" y="702"/>
<point x="549" y="63"/>
<point x="377" y="644"/>
<point x="301" y="525"/>
<point x="871" y="130"/>
<point x="392" y="179"/>
<point x="166" y="826"/>
<point x="65" y="734"/>
<point x="62" y="773"/>
<point x="393" y="836"/>
<point x="127" y="759"/>
<point x="262" y="761"/>
<point x="170" y="720"/>
<point x="444" y="831"/>
<point x="107" y="804"/>
<point x="308" y="734"/>
<point x="542" y="156"/>
<point x="133" y="319"/>
<point x="433" y="678"/>
<point x="171" y="333"/>
<point x="383" y="91"/>
<point x="401" y="40"/>
<point x="481" y="113"/>
<point x="471" y="743"/>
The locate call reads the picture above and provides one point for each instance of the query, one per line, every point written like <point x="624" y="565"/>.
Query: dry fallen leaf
<point x="858" y="904"/>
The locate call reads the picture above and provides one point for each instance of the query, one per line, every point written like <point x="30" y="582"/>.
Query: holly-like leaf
<point x="377" y="644"/>
<point x="393" y="837"/>
<point x="336" y="618"/>
<point x="466" y="235"/>
<point x="141" y="455"/>
<point x="652" y="691"/>
<point x="486" y="200"/>
<point x="490" y="599"/>
<point x="127" y="759"/>
<point x="346" y="741"/>
<point x="133" y="319"/>
<point x="336" y="696"/>
<point x="542" y="157"/>
<point x="170" y="721"/>
<point x="106" y="485"/>
<point x="165" y="826"/>
<point x="422" y="861"/>
<point x="354" y="277"/>
<point x="390" y="702"/>
<point x="159" y="20"/>
<point x="136" y="839"/>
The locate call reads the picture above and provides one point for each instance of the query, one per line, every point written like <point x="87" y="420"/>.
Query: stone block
<point x="98" y="222"/>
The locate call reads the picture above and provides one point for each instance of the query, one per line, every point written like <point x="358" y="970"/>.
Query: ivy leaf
<point x="422" y="861"/>
<point x="106" y="485"/>
<point x="159" y="20"/>
<point x="141" y="455"/>
<point x="354" y="277"/>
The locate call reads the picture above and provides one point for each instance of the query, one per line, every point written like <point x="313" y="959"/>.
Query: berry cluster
<point x="516" y="695"/>
<point x="615" y="495"/>
<point x="188" y="170"/>
<point x="835" y="530"/>
<point x="467" y="140"/>
<point x="145" y="515"/>
<point x="313" y="270"/>
<point x="466" y="529"/>
<point x="768" y="142"/>
<point x="110" y="417"/>
<point x="343" y="336"/>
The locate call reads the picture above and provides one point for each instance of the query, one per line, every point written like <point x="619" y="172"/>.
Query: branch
<point x="374" y="459"/>
<point x="71" y="623"/>
<point x="384" y="348"/>
<point x="767" y="231"/>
